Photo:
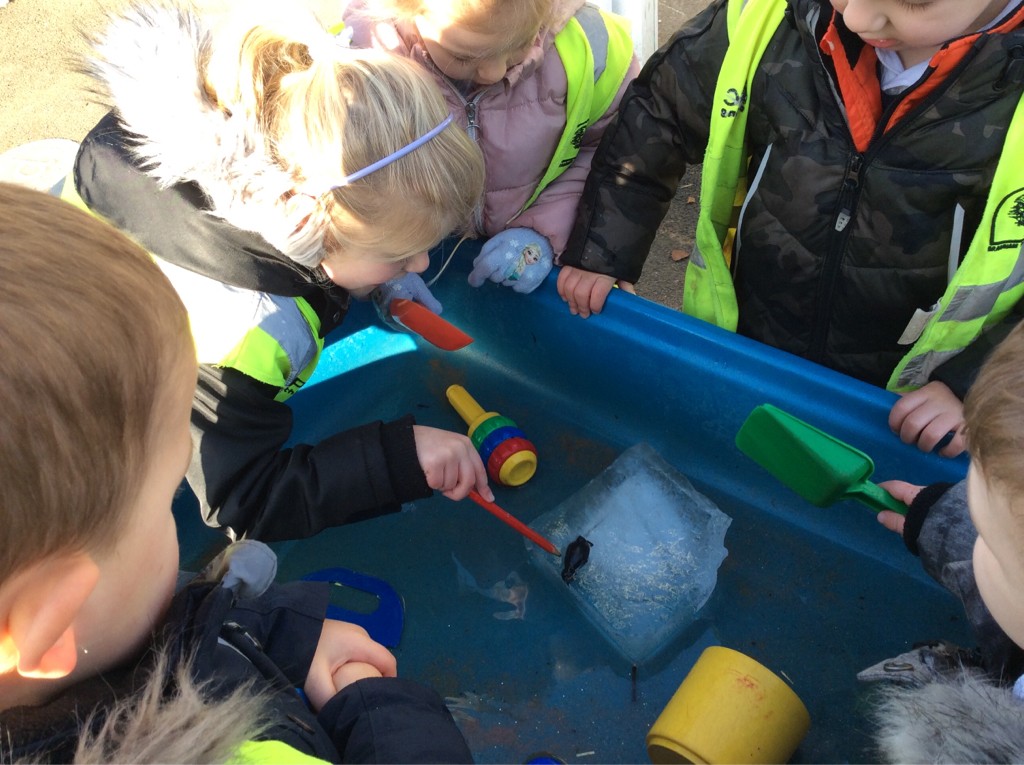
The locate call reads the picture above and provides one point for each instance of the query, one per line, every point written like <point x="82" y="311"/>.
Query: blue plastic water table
<point x="814" y="594"/>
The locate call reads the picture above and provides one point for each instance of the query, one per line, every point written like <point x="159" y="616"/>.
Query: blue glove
<point x="408" y="286"/>
<point x="519" y="258"/>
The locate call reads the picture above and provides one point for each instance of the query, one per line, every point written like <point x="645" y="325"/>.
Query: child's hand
<point x="408" y="286"/>
<point x="450" y="462"/>
<point x="905" y="493"/>
<point x="585" y="291"/>
<point x="342" y="644"/>
<point x="351" y="671"/>
<point x="519" y="258"/>
<point x="925" y="416"/>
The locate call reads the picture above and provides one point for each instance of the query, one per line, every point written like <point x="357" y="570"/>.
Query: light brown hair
<point x="520" y="20"/>
<point x="994" y="414"/>
<point x="89" y="331"/>
<point x="325" y="112"/>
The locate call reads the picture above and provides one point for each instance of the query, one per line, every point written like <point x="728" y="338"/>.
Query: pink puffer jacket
<point x="520" y="121"/>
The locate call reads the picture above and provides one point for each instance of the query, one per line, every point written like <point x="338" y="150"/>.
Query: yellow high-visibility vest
<point x="986" y="286"/>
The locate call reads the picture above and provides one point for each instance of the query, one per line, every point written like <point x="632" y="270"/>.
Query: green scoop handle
<point x="817" y="466"/>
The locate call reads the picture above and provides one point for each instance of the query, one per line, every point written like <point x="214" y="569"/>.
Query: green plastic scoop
<point x="819" y="467"/>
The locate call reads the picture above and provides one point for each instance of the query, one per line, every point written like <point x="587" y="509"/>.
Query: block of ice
<point x="657" y="546"/>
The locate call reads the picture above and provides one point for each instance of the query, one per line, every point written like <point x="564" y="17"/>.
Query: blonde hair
<point x="325" y="112"/>
<point x="994" y="414"/>
<point x="83" y="365"/>
<point x="520" y="20"/>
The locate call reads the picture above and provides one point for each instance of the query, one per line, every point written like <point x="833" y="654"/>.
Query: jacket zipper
<point x="473" y="130"/>
<point x="472" y="126"/>
<point x="848" y="205"/>
<point x="471" y="106"/>
<point x="833" y="259"/>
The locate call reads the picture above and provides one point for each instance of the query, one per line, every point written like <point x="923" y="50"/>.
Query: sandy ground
<point x="42" y="96"/>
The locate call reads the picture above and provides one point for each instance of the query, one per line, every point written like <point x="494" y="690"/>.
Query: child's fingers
<point x="465" y="480"/>
<point x="340" y="643"/>
<point x="599" y="294"/>
<point x="915" y="423"/>
<point x="905" y="420"/>
<point x="585" y="292"/>
<point x="352" y="671"/>
<point x="373" y="653"/>
<point x="901" y="410"/>
<point x="451" y="464"/>
<point x="470" y="474"/>
<point x="957" y="445"/>
<point x="901" y="490"/>
<point x="566" y="276"/>
<point x="568" y="279"/>
<point x="936" y="430"/>
<point x="925" y="416"/>
<point x="360" y="647"/>
<point x="473" y="475"/>
<point x="441" y="478"/>
<point x="588" y="297"/>
<point x="479" y="479"/>
<point x="892" y="521"/>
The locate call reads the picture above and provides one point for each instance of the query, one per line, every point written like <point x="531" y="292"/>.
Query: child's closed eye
<point x="910" y="5"/>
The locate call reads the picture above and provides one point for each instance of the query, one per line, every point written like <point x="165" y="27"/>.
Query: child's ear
<point x="39" y="608"/>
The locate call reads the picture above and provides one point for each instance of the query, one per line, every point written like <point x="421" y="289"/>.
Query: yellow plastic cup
<point x="729" y="709"/>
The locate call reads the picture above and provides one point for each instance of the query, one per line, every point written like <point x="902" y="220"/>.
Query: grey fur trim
<point x="149" y="64"/>
<point x="958" y="720"/>
<point x="148" y="728"/>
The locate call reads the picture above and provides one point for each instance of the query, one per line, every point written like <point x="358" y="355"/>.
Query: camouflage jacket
<point x="842" y="298"/>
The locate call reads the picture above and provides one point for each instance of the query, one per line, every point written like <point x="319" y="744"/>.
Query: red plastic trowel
<point x="428" y="325"/>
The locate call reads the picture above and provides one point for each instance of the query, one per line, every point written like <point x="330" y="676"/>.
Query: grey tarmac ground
<point x="41" y="96"/>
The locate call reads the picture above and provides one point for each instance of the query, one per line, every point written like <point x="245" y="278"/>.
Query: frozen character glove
<point x="408" y="286"/>
<point x="519" y="258"/>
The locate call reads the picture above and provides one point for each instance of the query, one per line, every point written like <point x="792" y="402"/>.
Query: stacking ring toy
<point x="510" y="458"/>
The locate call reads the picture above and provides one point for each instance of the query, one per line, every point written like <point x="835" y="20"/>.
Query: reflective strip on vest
<point x="272" y="753"/>
<point x="708" y="291"/>
<point x="989" y="281"/>
<point x="270" y="338"/>
<point x="596" y="50"/>
<point x="986" y="286"/>
<point x="273" y="339"/>
<point x="70" y="194"/>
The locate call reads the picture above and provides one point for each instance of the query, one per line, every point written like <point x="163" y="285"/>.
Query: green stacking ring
<point x="485" y="428"/>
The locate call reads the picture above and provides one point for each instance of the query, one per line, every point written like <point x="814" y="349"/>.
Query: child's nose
<point x="491" y="71"/>
<point x="418" y="263"/>
<point x="861" y="16"/>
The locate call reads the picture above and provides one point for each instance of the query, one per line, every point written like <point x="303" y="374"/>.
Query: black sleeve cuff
<point x="399" y="443"/>
<point x="391" y="719"/>
<point x="918" y="511"/>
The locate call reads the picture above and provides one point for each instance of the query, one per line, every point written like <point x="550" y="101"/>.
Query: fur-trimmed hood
<point x="192" y="179"/>
<point x="148" y="64"/>
<point x="958" y="719"/>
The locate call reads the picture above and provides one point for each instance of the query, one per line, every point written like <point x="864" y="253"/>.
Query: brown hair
<point x="83" y="360"/>
<point x="994" y="414"/>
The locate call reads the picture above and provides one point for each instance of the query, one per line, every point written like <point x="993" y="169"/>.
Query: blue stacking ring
<point x="495" y="437"/>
